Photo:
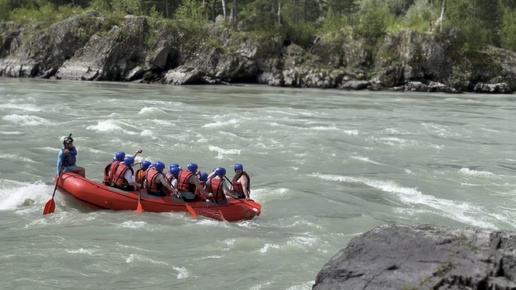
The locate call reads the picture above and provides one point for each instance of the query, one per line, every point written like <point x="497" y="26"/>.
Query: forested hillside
<point x="482" y="22"/>
<point x="423" y="45"/>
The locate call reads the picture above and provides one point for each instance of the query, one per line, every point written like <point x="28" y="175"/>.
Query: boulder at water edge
<point x="424" y="257"/>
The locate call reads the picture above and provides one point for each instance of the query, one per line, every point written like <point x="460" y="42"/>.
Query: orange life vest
<point x="183" y="181"/>
<point x="119" y="180"/>
<point x="113" y="169"/>
<point x="151" y="185"/>
<point x="107" y="169"/>
<point x="237" y="185"/>
<point x="216" y="188"/>
<point x="139" y="176"/>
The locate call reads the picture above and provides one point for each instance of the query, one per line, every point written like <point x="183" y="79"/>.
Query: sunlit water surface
<point x="326" y="166"/>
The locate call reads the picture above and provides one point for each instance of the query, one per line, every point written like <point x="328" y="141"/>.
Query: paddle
<point x="190" y="210"/>
<point x="139" y="208"/>
<point x="218" y="208"/>
<point x="250" y="203"/>
<point x="51" y="205"/>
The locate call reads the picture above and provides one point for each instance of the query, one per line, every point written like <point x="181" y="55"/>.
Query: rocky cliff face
<point x="424" y="257"/>
<point x="89" y="47"/>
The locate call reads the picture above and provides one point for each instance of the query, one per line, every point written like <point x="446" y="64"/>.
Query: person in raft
<point x="172" y="175"/>
<point x="188" y="182"/>
<point x="139" y="175"/>
<point x="203" y="177"/>
<point x="241" y="184"/>
<point x="67" y="157"/>
<point x="123" y="178"/>
<point x="216" y="186"/>
<point x="111" y="168"/>
<point x="155" y="181"/>
<point x="113" y="165"/>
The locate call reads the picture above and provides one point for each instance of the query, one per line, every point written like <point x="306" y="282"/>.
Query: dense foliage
<point x="481" y="22"/>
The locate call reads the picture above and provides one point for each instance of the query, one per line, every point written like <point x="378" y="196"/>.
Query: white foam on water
<point x="27" y="120"/>
<point x="81" y="251"/>
<point x="133" y="225"/>
<point x="16" y="157"/>
<point x="21" y="107"/>
<point x="365" y="159"/>
<point x="268" y="247"/>
<point x="11" y="133"/>
<point x="152" y="112"/>
<point x="182" y="272"/>
<point x="222" y="123"/>
<point x="460" y="211"/>
<point x="467" y="171"/>
<point x="14" y="194"/>
<point x="223" y="153"/>
<point x="106" y="126"/>
<point x="324" y="128"/>
<point x="351" y="132"/>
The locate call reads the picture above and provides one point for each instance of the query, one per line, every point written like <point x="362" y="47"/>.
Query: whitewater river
<point x="326" y="165"/>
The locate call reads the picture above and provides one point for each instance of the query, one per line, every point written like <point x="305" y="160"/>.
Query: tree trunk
<point x="441" y="18"/>
<point x="234" y="15"/>
<point x="279" y="12"/>
<point x="224" y="8"/>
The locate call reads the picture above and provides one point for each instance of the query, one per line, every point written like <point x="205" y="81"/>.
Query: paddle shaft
<point x="190" y="209"/>
<point x="218" y="208"/>
<point x="139" y="207"/>
<point x="50" y="205"/>
<point x="231" y="185"/>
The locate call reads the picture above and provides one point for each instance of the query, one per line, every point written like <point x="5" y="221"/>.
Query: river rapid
<point x="326" y="165"/>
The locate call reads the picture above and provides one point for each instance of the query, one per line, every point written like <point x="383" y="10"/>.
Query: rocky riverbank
<point x="88" y="47"/>
<point x="423" y="257"/>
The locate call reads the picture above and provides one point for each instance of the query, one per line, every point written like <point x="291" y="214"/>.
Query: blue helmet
<point x="120" y="155"/>
<point x="203" y="176"/>
<point x="220" y="171"/>
<point x="128" y="160"/>
<point x="146" y="164"/>
<point x="172" y="165"/>
<point x="192" y="167"/>
<point x="239" y="166"/>
<point x="175" y="171"/>
<point x="159" y="166"/>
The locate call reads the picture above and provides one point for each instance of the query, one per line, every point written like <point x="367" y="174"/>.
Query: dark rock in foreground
<point x="424" y="257"/>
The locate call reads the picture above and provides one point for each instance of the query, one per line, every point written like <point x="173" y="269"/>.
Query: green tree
<point x="128" y="6"/>
<point x="420" y="15"/>
<point x="480" y="20"/>
<point x="508" y="31"/>
<point x="373" y="20"/>
<point x="192" y="11"/>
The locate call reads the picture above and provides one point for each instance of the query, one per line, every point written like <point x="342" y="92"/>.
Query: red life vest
<point x="119" y="180"/>
<point x="150" y="181"/>
<point x="216" y="188"/>
<point x="113" y="169"/>
<point x="183" y="181"/>
<point x="107" y="180"/>
<point x="237" y="185"/>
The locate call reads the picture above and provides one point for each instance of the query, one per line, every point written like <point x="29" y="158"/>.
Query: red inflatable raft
<point x="99" y="196"/>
